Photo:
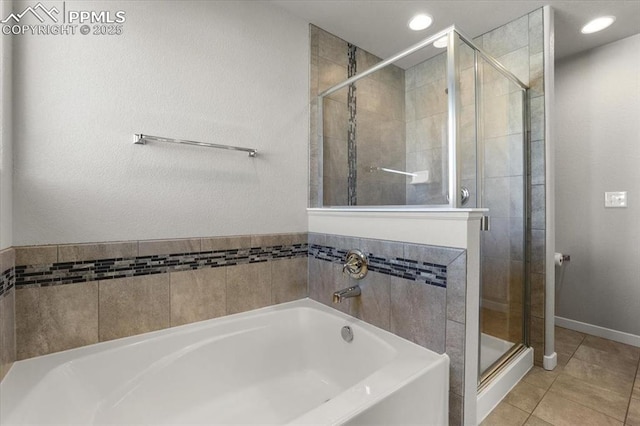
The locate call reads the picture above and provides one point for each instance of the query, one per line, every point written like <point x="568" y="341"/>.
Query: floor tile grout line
<point x="588" y="407"/>
<point x="609" y="371"/>
<point x="607" y="367"/>
<point x="594" y="409"/>
<point x="551" y="385"/>
<point x="635" y="379"/>
<point x="538" y="403"/>
<point x="543" y="395"/>
<point x="561" y="372"/>
<point x="597" y="411"/>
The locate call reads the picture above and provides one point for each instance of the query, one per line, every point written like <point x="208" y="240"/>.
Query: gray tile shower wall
<point x="426" y="128"/>
<point x="363" y="127"/>
<point x="72" y="295"/>
<point x="502" y="137"/>
<point x="519" y="46"/>
<point x="7" y="311"/>
<point x="415" y="291"/>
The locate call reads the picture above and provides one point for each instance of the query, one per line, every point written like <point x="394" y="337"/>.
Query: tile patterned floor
<point x="597" y="382"/>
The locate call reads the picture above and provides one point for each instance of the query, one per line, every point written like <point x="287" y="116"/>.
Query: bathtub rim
<point x="306" y="302"/>
<point x="33" y="370"/>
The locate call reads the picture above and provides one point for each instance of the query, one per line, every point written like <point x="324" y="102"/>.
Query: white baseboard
<point x="595" y="330"/>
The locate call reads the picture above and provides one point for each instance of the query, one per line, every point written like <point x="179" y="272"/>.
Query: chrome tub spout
<point x="339" y="295"/>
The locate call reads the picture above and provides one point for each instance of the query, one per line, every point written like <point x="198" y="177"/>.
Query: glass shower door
<point x="501" y="179"/>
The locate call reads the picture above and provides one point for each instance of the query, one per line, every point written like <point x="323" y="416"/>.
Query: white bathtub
<point x="285" y="364"/>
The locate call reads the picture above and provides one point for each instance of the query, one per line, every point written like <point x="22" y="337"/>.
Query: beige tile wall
<point x="42" y="255"/>
<point x="52" y="319"/>
<point x="56" y="318"/>
<point x="7" y="317"/>
<point x="77" y="252"/>
<point x="130" y="306"/>
<point x="198" y="295"/>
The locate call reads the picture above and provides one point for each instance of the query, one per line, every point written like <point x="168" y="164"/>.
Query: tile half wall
<point x="7" y="311"/>
<point x="415" y="291"/>
<point x="68" y="296"/>
<point x="74" y="295"/>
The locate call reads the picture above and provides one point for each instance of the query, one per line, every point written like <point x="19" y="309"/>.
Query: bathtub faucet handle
<point x="353" y="263"/>
<point x="356" y="264"/>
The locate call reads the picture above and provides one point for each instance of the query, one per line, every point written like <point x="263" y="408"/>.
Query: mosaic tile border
<point x="60" y="273"/>
<point x="352" y="149"/>
<point x="424" y="272"/>
<point x="7" y="281"/>
<point x="107" y="269"/>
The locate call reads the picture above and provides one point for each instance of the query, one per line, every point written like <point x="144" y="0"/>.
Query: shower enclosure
<point x="441" y="125"/>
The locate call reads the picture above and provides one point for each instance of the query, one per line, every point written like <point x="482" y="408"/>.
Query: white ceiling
<point x="380" y="26"/>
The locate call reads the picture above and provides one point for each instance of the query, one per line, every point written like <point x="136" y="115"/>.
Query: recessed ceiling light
<point x="598" y="24"/>
<point x="441" y="43"/>
<point x="420" y="22"/>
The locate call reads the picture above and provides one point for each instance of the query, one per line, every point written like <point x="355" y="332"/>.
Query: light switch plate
<point x="615" y="199"/>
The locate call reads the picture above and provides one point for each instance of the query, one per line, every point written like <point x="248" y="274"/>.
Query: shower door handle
<point x="485" y="223"/>
<point x="464" y="195"/>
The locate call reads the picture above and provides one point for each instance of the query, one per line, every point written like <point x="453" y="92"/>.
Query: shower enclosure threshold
<point x="491" y="349"/>
<point x="500" y="385"/>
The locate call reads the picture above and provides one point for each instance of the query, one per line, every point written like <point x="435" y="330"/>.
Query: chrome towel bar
<point x="142" y="139"/>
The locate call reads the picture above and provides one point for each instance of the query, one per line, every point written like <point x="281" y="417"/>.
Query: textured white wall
<point x="224" y="72"/>
<point x="6" y="141"/>
<point x="598" y="150"/>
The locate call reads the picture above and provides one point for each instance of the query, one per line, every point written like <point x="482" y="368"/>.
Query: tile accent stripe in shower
<point x="7" y="280"/>
<point x="105" y="269"/>
<point x="352" y="178"/>
<point x="425" y="272"/>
